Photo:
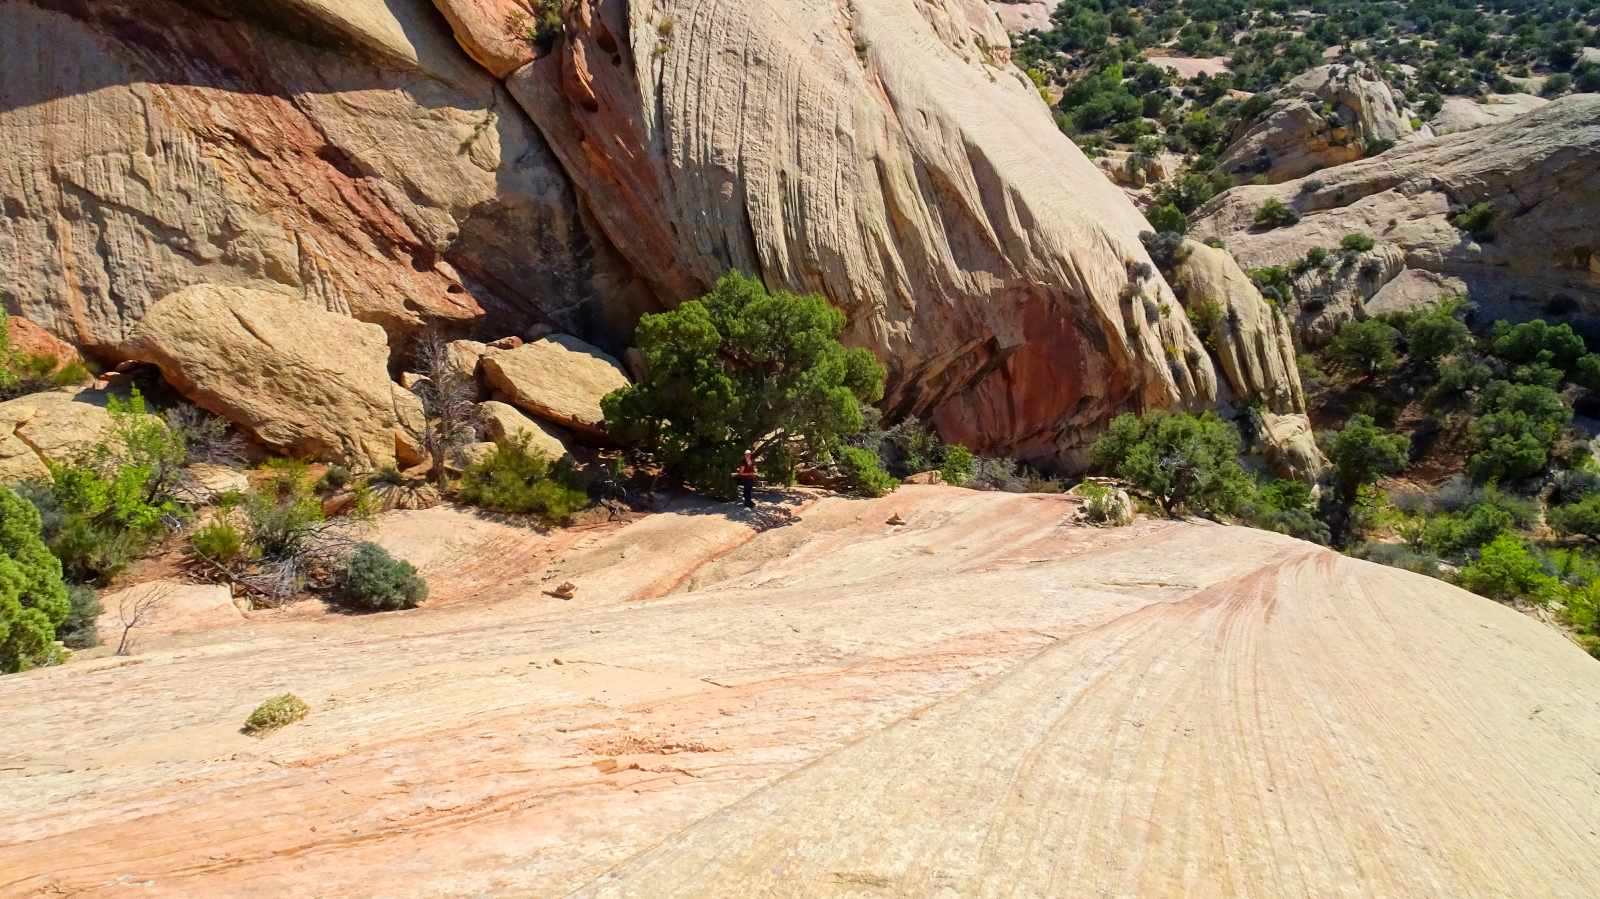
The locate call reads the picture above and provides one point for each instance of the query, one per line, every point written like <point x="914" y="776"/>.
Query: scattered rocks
<point x="559" y="378"/>
<point x="566" y="590"/>
<point x="895" y="520"/>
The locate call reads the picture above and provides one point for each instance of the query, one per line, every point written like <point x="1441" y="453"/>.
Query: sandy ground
<point x="988" y="700"/>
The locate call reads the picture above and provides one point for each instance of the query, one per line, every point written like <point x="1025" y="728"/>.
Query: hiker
<point x="747" y="479"/>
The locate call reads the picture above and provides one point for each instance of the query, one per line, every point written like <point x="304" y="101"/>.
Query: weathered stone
<point x="1536" y="171"/>
<point x="28" y="339"/>
<point x="344" y="150"/>
<point x="203" y="482"/>
<point x="560" y="379"/>
<point x="889" y="160"/>
<point x="1291" y="446"/>
<point x="500" y="421"/>
<point x="1249" y="337"/>
<point x="1465" y="113"/>
<point x="299" y="379"/>
<point x="54" y="426"/>
<point x="1327" y="116"/>
<point x="1023" y="15"/>
<point x="496" y="33"/>
<point x="171" y="607"/>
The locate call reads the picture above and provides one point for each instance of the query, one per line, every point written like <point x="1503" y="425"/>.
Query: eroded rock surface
<point x="1536" y="172"/>
<point x="53" y="426"/>
<point x="1327" y="116"/>
<point x="500" y="421"/>
<point x="345" y="151"/>
<point x="296" y="377"/>
<point x="884" y="156"/>
<point x="982" y="695"/>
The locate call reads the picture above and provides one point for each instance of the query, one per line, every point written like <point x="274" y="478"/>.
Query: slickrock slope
<point x="884" y="153"/>
<point x="347" y="150"/>
<point x="985" y="699"/>
<point x="1540" y="172"/>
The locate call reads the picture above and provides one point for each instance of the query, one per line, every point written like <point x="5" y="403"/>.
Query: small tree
<point x="33" y="598"/>
<point x="1274" y="214"/>
<point x="1169" y="219"/>
<point x="1367" y="346"/>
<point x="1362" y="452"/>
<point x="1538" y="341"/>
<point x="1516" y="428"/>
<point x="744" y="368"/>
<point x="1578" y="519"/>
<point x="449" y="406"/>
<point x="136" y="610"/>
<point x="1436" y="333"/>
<point x="1357" y="243"/>
<point x="1184" y="461"/>
<point x="1506" y="570"/>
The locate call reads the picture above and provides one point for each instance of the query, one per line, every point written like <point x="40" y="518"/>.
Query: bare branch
<point x="136" y="610"/>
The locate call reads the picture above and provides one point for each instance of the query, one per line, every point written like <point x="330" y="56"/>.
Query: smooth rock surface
<point x="559" y="378"/>
<point x="172" y="607"/>
<point x="299" y="379"/>
<point x="886" y="156"/>
<point x="500" y="421"/>
<point x="1467" y="113"/>
<point x="54" y="426"/>
<point x="986" y="695"/>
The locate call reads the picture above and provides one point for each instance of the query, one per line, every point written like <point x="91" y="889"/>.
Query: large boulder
<point x="299" y="379"/>
<point x="1329" y="115"/>
<point x="1291" y="447"/>
<point x="559" y="378"/>
<point x="502" y="422"/>
<point x="344" y="150"/>
<point x="54" y="426"/>
<point x="498" y="34"/>
<point x="887" y="157"/>
<point x="1247" y="335"/>
<point x="1536" y="172"/>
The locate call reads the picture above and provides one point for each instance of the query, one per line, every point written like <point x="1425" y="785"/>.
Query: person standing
<point x="747" y="479"/>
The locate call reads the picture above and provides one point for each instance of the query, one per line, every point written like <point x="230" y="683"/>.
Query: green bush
<point x="335" y="478"/>
<point x="959" y="465"/>
<point x="23" y="373"/>
<point x="1395" y="555"/>
<point x="741" y="368"/>
<point x="1357" y="243"/>
<point x="33" y="598"/>
<point x="1536" y="342"/>
<point x="1168" y="219"/>
<point x="1185" y="462"/>
<point x="1286" y="507"/>
<point x="518" y="479"/>
<point x="1362" y="452"/>
<point x="863" y="472"/>
<point x="1274" y="214"/>
<point x="375" y="581"/>
<point x="1507" y="570"/>
<point x="1436" y="333"/>
<point x="1477" y="220"/>
<point x="80" y="630"/>
<point x="1516" y="428"/>
<point x="1207" y="318"/>
<point x="1367" y="346"/>
<point x="1455" y="533"/>
<point x="279" y="711"/>
<point x="221" y="542"/>
<point x="998" y="474"/>
<point x="1578" y="519"/>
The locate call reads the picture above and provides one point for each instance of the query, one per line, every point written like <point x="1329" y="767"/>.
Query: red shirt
<point x="746" y="472"/>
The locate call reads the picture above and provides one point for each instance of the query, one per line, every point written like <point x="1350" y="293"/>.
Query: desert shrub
<point x="997" y="474"/>
<point x="1506" y="569"/>
<point x="335" y="478"/>
<point x="1436" y="333"/>
<point x="1316" y="257"/>
<point x="1311" y="374"/>
<point x="1574" y="484"/>
<point x="1396" y="555"/>
<point x="33" y="597"/>
<point x="24" y="373"/>
<point x="743" y="367"/>
<point x="1100" y="504"/>
<point x="1168" y="219"/>
<point x="1275" y="283"/>
<point x="1312" y="185"/>
<point x="1357" y="243"/>
<point x="1366" y="346"/>
<point x="1286" y="507"/>
<point x="1165" y="249"/>
<point x="80" y="629"/>
<point x="863" y="473"/>
<point x="518" y="479"/>
<point x="1538" y="341"/>
<point x="909" y="447"/>
<point x="1456" y="533"/>
<point x="221" y="542"/>
<point x="959" y="465"/>
<point x="1477" y="220"/>
<point x="1362" y="452"/>
<point x="375" y="581"/>
<point x="1578" y="519"/>
<point x="1208" y="318"/>
<point x="1185" y="462"/>
<point x="1516" y="428"/>
<point x="279" y="711"/>
<point x="1274" y="214"/>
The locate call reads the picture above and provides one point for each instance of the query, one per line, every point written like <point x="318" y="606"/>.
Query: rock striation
<point x="884" y="156"/>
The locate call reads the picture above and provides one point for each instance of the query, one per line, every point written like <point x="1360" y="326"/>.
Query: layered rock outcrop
<point x="346" y="151"/>
<point x="882" y="156"/>
<point x="1330" y="115"/>
<point x="1536" y="173"/>
<point x="1466" y="113"/>
<point x="299" y="379"/>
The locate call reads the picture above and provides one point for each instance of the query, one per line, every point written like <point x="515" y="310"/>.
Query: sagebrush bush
<point x="520" y="480"/>
<point x="375" y="581"/>
<point x="1274" y="214"/>
<point x="863" y="473"/>
<point x="279" y="711"/>
<point x="1396" y="555"/>
<point x="997" y="474"/>
<point x="220" y="541"/>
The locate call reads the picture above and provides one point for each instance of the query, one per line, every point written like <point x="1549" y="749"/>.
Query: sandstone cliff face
<point x="1325" y="117"/>
<point x="878" y="155"/>
<point x="1537" y="171"/>
<point x="1250" y="338"/>
<point x="347" y="151"/>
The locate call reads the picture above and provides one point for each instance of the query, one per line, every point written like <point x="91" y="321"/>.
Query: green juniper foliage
<point x="33" y="597"/>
